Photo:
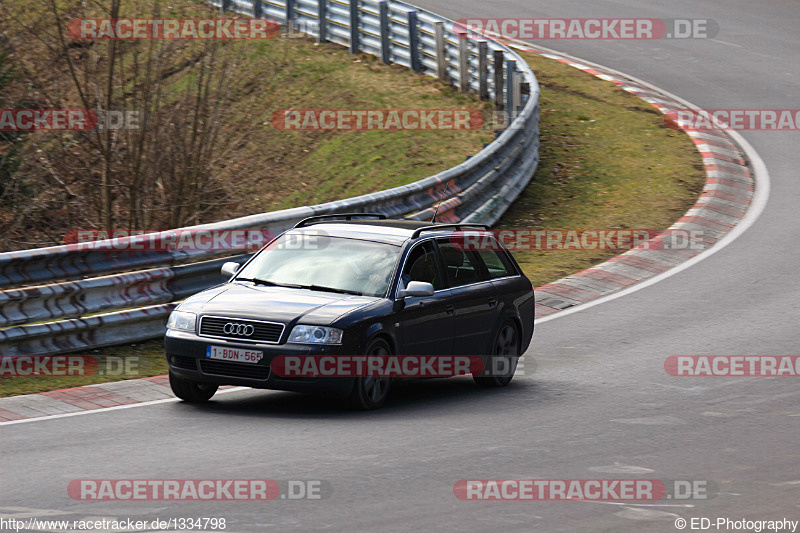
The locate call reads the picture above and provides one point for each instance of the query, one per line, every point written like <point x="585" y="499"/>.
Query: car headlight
<point x="182" y="320"/>
<point x="315" y="335"/>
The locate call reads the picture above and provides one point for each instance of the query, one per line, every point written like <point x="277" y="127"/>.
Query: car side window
<point x="461" y="267"/>
<point x="421" y="266"/>
<point x="497" y="264"/>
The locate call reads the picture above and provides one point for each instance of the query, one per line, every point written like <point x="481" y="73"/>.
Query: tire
<point x="505" y="347"/>
<point x="191" y="391"/>
<point x="370" y="392"/>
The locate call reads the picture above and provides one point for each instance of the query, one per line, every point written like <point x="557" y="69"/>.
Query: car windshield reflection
<point x="330" y="264"/>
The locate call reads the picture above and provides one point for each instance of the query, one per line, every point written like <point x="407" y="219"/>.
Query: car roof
<point x="387" y="231"/>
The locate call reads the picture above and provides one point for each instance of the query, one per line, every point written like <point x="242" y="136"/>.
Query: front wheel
<point x="191" y="391"/>
<point x="370" y="392"/>
<point x="503" y="360"/>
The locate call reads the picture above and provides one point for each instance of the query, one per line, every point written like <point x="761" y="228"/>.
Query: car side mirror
<point x="416" y="288"/>
<point x="229" y="268"/>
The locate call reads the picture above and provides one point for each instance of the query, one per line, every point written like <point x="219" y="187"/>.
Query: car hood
<point x="276" y="304"/>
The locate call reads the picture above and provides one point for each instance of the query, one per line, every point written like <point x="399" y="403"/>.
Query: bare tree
<point x="165" y="172"/>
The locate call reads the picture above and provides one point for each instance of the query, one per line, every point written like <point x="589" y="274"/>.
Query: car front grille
<point x="234" y="370"/>
<point x="241" y="329"/>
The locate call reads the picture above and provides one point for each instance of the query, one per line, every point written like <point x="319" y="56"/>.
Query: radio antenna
<point x="440" y="203"/>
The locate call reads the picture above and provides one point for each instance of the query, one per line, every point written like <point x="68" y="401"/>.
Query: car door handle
<point x="492" y="303"/>
<point x="450" y="310"/>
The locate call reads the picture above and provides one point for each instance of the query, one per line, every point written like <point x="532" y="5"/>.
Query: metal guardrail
<point x="51" y="297"/>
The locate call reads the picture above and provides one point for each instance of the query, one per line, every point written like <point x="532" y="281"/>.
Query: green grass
<point x="314" y="167"/>
<point x="117" y="363"/>
<point x="607" y="162"/>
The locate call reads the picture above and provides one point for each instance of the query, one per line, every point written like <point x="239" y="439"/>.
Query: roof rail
<point x="346" y="216"/>
<point x="419" y="231"/>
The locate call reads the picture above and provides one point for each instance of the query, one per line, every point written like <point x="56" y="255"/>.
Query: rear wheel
<point x="191" y="391"/>
<point x="370" y="392"/>
<point x="503" y="360"/>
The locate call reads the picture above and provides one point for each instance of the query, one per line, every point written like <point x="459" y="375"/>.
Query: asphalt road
<point x="598" y="405"/>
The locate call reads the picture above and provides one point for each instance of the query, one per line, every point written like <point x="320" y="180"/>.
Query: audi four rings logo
<point x="233" y="328"/>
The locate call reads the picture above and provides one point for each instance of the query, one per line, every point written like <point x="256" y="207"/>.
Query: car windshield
<point x="324" y="263"/>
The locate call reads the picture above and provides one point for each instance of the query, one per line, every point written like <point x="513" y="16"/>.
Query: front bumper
<point x="186" y="356"/>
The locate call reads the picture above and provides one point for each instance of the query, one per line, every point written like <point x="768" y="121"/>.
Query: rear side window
<point x="462" y="268"/>
<point x="497" y="264"/>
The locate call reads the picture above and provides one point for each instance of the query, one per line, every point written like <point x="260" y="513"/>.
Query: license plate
<point x="233" y="354"/>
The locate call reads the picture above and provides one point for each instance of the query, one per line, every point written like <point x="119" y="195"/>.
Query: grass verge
<point x="607" y="162"/>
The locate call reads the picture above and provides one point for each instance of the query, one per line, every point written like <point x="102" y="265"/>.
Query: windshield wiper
<point x="330" y="289"/>
<point x="268" y="283"/>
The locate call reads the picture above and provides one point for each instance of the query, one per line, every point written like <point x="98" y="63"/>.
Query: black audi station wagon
<point x="353" y="284"/>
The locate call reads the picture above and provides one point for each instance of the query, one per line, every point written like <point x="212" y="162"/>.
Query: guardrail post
<point x="463" y="57"/>
<point x="413" y="42"/>
<point x="355" y="31"/>
<point x="323" y="21"/>
<point x="441" y="58"/>
<point x="524" y="92"/>
<point x="289" y="15"/>
<point x="498" y="80"/>
<point x="463" y="65"/>
<point x="520" y="89"/>
<point x="383" y="9"/>
<point x="511" y="71"/>
<point x="257" y="9"/>
<point x="483" y="70"/>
